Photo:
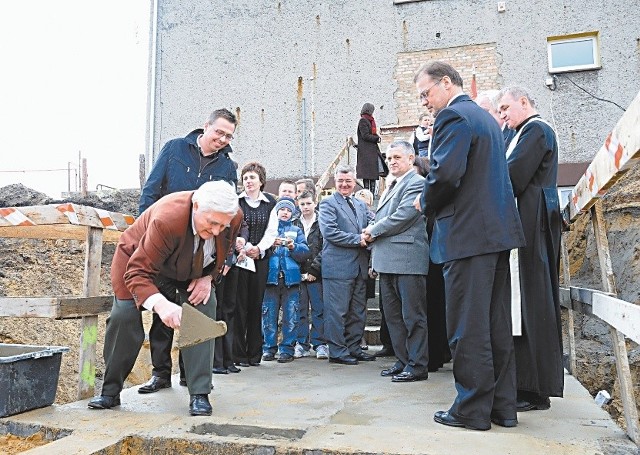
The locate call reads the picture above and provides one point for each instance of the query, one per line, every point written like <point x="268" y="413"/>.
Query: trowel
<point x="196" y="327"/>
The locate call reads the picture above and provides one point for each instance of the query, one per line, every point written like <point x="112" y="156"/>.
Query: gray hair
<point x="404" y="146"/>
<point x="344" y="169"/>
<point x="217" y="196"/>
<point x="492" y="95"/>
<point x="222" y="113"/>
<point x="517" y="92"/>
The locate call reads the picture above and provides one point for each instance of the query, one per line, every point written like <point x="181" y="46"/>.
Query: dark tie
<point x="198" y="259"/>
<point x="353" y="208"/>
<point x="392" y="185"/>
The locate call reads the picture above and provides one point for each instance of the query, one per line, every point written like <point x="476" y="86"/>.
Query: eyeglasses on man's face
<point x="222" y="134"/>
<point x="425" y="93"/>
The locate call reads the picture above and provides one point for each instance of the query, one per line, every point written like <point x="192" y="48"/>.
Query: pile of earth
<point x="55" y="268"/>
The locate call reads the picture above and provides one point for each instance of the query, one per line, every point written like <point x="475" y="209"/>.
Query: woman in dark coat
<point x="370" y="165"/>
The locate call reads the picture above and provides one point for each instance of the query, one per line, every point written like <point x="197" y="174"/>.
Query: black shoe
<point x="507" y="423"/>
<point x="285" y="358"/>
<point x="364" y="347"/>
<point x="244" y="364"/>
<point x="542" y="405"/>
<point x="346" y="360"/>
<point x="104" y="402"/>
<point x="220" y="370"/>
<point x="364" y="357"/>
<point x="183" y="382"/>
<point x="154" y="384"/>
<point x="233" y="369"/>
<point x="254" y="363"/>
<point x="433" y="368"/>
<point x="444" y="418"/>
<point x="391" y="371"/>
<point x="385" y="352"/>
<point x="199" y="405"/>
<point x="407" y="376"/>
<point x="268" y="357"/>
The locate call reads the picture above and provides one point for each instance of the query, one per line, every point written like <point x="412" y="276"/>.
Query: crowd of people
<point x="464" y="242"/>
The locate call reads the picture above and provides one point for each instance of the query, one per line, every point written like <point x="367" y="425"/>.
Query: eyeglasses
<point x="221" y="133"/>
<point x="425" y="93"/>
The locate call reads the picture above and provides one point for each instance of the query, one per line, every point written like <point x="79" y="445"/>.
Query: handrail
<point x="619" y="153"/>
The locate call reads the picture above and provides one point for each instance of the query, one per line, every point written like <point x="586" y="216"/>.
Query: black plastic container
<point x="28" y="377"/>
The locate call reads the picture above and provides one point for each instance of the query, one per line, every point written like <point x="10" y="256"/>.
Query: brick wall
<point x="463" y="58"/>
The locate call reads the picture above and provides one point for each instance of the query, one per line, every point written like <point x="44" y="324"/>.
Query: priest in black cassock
<point x="532" y="157"/>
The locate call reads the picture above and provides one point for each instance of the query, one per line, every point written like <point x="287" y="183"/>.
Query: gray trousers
<point x="404" y="298"/>
<point x="345" y="306"/>
<point x="123" y="340"/>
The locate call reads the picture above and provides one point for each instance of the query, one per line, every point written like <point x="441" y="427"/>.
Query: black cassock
<point x="533" y="169"/>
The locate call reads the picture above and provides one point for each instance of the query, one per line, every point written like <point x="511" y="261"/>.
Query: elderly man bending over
<point x="167" y="258"/>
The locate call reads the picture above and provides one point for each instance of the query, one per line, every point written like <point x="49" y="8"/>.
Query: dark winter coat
<point x="533" y="169"/>
<point x="313" y="264"/>
<point x="180" y="167"/>
<point x="369" y="156"/>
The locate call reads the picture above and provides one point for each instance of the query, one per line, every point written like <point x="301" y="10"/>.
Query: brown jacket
<point x="160" y="243"/>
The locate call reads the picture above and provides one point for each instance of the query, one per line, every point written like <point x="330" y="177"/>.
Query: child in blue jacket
<point x="283" y="282"/>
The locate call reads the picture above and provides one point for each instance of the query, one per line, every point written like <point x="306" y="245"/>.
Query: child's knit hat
<point x="286" y="202"/>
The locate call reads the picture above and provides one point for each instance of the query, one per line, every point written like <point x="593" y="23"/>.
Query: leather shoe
<point x="444" y="418"/>
<point x="104" y="402"/>
<point x="254" y="363"/>
<point x="233" y="369"/>
<point x="244" y="364"/>
<point x="154" y="384"/>
<point x="218" y="370"/>
<point x="523" y="405"/>
<point x="199" y="405"/>
<point x="364" y="357"/>
<point x="407" y="376"/>
<point x="391" y="371"/>
<point x="507" y="423"/>
<point x="386" y="351"/>
<point x="346" y="360"/>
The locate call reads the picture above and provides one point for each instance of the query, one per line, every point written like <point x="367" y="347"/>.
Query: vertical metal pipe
<point x="304" y="136"/>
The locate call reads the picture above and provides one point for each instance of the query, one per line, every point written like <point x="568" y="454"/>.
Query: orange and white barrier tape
<point x="15" y="217"/>
<point x="105" y="218"/>
<point x="69" y="212"/>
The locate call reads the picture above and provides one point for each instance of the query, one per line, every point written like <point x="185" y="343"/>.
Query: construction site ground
<point x="314" y="407"/>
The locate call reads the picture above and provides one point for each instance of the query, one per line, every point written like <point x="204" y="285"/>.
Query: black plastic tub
<point x="28" y="377"/>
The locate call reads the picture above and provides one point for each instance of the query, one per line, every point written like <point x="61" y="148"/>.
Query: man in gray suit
<point x="399" y="249"/>
<point x="345" y="263"/>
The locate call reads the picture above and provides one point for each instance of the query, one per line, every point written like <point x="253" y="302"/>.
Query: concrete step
<point x="372" y="335"/>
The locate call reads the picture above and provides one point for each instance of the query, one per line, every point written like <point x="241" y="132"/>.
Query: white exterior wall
<point x="248" y="55"/>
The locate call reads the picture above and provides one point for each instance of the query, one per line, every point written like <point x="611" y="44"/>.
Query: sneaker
<point x="285" y="358"/>
<point x="299" y="352"/>
<point x="267" y="357"/>
<point x="322" y="352"/>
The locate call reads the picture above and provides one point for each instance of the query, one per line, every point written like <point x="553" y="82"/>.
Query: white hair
<point x="492" y="95"/>
<point x="518" y="92"/>
<point x="217" y="196"/>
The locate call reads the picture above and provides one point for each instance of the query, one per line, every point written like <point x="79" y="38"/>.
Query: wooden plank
<point x="28" y="307"/>
<point x="89" y="326"/>
<point x="326" y="175"/>
<point x="627" y="394"/>
<point x="54" y="232"/>
<point x="54" y="307"/>
<point x="619" y="153"/>
<point x="66" y="213"/>
<point x="623" y="316"/>
<point x="571" y="334"/>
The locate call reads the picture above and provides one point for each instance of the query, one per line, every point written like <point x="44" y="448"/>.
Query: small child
<point x="283" y="282"/>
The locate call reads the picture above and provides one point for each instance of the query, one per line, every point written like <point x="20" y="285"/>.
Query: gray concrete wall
<point x="266" y="58"/>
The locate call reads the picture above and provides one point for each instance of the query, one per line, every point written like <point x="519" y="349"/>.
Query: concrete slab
<point x="310" y="406"/>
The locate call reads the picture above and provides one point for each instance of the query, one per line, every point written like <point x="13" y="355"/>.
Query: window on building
<point x="576" y="52"/>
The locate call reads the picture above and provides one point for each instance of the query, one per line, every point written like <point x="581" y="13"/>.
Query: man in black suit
<point x="469" y="195"/>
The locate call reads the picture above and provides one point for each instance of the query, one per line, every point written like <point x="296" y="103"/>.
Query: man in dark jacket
<point x="184" y="164"/>
<point x="532" y="157"/>
<point x="311" y="286"/>
<point x="476" y="223"/>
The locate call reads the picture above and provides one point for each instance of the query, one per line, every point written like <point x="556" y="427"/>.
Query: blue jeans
<point x="275" y="297"/>
<point x="311" y="293"/>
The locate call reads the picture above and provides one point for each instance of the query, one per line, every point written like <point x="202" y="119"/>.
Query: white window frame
<point x="594" y="37"/>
